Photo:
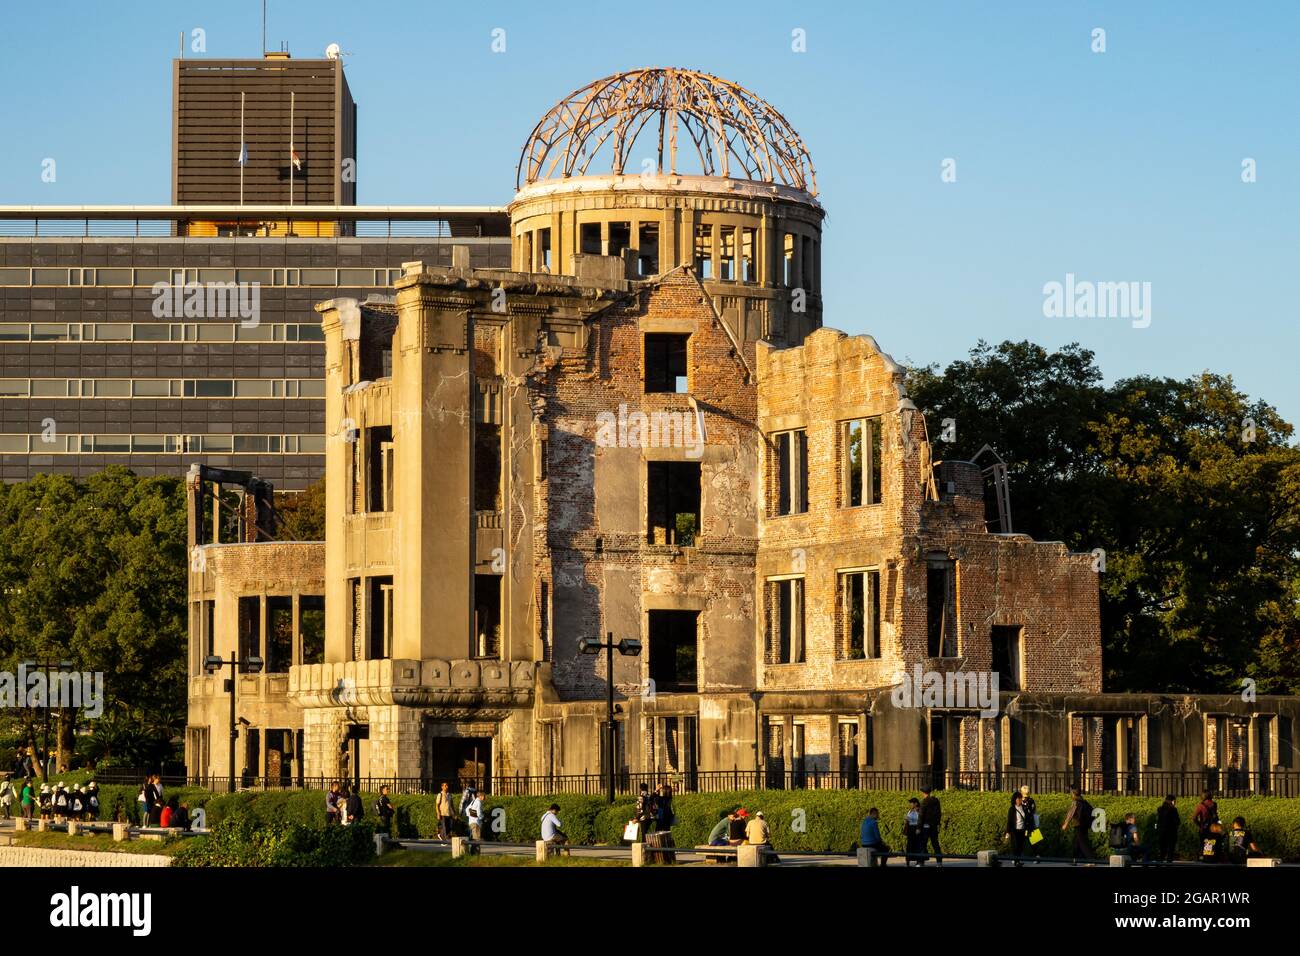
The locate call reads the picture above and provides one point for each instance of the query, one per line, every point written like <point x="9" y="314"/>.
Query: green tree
<point x="302" y="514"/>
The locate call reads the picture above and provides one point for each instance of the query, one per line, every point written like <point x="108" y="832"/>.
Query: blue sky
<point x="1115" y="166"/>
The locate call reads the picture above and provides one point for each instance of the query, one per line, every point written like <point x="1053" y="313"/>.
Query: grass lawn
<point x="433" y="858"/>
<point x="97" y="842"/>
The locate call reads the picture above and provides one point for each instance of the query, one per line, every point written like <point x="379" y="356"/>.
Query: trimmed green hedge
<point x="243" y="840"/>
<point x="801" y="820"/>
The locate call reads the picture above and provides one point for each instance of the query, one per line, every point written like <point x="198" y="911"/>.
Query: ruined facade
<point x="643" y="430"/>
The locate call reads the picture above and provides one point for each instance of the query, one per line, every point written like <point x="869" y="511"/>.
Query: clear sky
<point x="1124" y="165"/>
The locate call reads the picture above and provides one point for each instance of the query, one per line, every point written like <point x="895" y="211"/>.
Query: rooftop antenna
<point x="263" y="27"/>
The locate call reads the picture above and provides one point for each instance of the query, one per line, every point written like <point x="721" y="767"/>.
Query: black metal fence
<point x="1180" y="783"/>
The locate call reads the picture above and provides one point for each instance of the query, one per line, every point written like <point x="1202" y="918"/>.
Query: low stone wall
<point x="41" y="856"/>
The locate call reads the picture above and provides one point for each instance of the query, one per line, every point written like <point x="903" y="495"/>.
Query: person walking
<point x="664" y="808"/>
<point x="1167" y="823"/>
<point x="384" y="811"/>
<point x="344" y="790"/>
<point x="28" y="798"/>
<point x="931" y="817"/>
<point x="446" y="812"/>
<point x="1206" y="813"/>
<point x="645" y="810"/>
<point x="914" y="841"/>
<point x="1019" y="823"/>
<point x="474" y="815"/>
<point x="354" y="809"/>
<point x="92" y="801"/>
<point x="7" y="796"/>
<point x="332" y="809"/>
<point x="1080" y="818"/>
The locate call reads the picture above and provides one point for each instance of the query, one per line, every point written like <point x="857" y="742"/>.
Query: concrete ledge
<point x="638" y="854"/>
<point x="42" y="857"/>
<point x="459" y="847"/>
<point x="381" y="843"/>
<point x="543" y="850"/>
<point x="20" y="825"/>
<point x="747" y="855"/>
<point x="43" y="825"/>
<point x="1120" y="859"/>
<point x="1264" y="861"/>
<point x="121" y="832"/>
<point x="74" y="827"/>
<point x="986" y="858"/>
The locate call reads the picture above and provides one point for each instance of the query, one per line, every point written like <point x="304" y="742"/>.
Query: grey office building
<point x="159" y="336"/>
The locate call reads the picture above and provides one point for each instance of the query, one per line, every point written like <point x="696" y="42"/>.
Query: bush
<point x="244" y="840"/>
<point x="819" y="821"/>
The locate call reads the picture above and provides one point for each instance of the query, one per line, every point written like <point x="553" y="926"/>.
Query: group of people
<point x="343" y="804"/>
<point x="32" y="762"/>
<point x="1215" y="842"/>
<point x="921" y="823"/>
<point x="470" y="809"/>
<point x="60" y="802"/>
<point x="654" y="810"/>
<point x="741" y="828"/>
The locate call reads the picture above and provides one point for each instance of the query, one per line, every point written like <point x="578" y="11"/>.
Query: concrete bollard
<point x="20" y="825"/>
<point x="1120" y="859"/>
<point x="543" y="848"/>
<point x="381" y="843"/>
<point x="459" y="847"/>
<point x="986" y="858"/>
<point x="638" y="854"/>
<point x="1263" y="861"/>
<point x="43" y="825"/>
<point x="750" y="855"/>
<point x="121" y="832"/>
<point x="74" y="827"/>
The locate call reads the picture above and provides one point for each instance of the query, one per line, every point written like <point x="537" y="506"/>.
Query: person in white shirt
<point x="552" y="829"/>
<point x="474" y="815"/>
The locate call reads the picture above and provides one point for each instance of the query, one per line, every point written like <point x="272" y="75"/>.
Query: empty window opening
<point x="860" y="461"/>
<point x="379" y="468"/>
<point x="487" y="467"/>
<point x="672" y="650"/>
<point x="1006" y="655"/>
<point x="704" y="252"/>
<point x="279" y="634"/>
<point x="620" y="237"/>
<point x="787" y="621"/>
<point x="250" y="630"/>
<point x="788" y="272"/>
<point x="665" y="362"/>
<point x="807" y="266"/>
<point x="727" y="254"/>
<point x="311" y="628"/>
<point x="748" y="271"/>
<point x="589" y="238"/>
<point x="543" y="250"/>
<point x="859" y="593"/>
<point x="673" y="502"/>
<point x="487" y="616"/>
<point x="380" y="639"/>
<point x="792" y="472"/>
<point x="941" y="608"/>
<point x="648" y="251"/>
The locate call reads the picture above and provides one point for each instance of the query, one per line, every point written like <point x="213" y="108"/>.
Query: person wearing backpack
<point x="1126" y="840"/>
<point x="1241" y="843"/>
<point x="354" y="808"/>
<point x="384" y="811"/>
<point x="1207" y="813"/>
<point x="1213" y="842"/>
<point x="1080" y="817"/>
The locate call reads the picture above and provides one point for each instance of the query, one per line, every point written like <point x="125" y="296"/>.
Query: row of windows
<point x="858" y="452"/>
<point x="112" y="277"/>
<point x="274" y="616"/>
<point x="162" y="388"/>
<point x="159" y="332"/>
<point x="857" y="617"/>
<point x="56" y="444"/>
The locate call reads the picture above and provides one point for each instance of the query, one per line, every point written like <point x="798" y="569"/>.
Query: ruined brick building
<point x="644" y="430"/>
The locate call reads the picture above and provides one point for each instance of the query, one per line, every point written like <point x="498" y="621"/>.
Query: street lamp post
<point x="253" y="665"/>
<point x="628" y="647"/>
<point x="64" y="667"/>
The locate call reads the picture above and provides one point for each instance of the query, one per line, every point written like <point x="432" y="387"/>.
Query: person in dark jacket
<point x="915" y="841"/>
<point x="354" y="808"/>
<point x="384" y="810"/>
<point x="1019" y="823"/>
<point x="645" y="810"/>
<point x="1167" y="822"/>
<point x="1080" y="819"/>
<point x="931" y="816"/>
<point x="664" y="808"/>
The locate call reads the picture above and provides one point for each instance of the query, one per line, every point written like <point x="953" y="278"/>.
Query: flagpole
<point x="291" y="96"/>
<point x="242" y="147"/>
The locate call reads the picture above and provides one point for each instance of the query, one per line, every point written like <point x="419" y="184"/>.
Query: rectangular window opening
<point x="673" y="502"/>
